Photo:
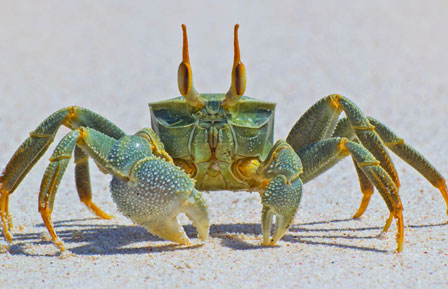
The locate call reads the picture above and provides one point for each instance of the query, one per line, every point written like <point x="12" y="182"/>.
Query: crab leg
<point x="32" y="149"/>
<point x="146" y="188"/>
<point x="23" y="160"/>
<point x="412" y="157"/>
<point x="366" y="189"/>
<point x="320" y="120"/>
<point x="95" y="142"/>
<point x="344" y="129"/>
<point x="5" y="216"/>
<point x="318" y="157"/>
<point x="83" y="186"/>
<point x="401" y="149"/>
<point x="40" y="139"/>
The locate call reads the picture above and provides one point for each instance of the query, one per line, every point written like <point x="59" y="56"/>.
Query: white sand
<point x="115" y="56"/>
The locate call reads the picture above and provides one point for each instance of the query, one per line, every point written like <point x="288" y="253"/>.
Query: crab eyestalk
<point x="238" y="85"/>
<point x="185" y="76"/>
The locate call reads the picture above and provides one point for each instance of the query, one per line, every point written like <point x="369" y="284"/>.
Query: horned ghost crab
<point x="210" y="142"/>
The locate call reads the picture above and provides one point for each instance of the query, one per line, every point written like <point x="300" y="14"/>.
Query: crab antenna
<point x="236" y="45"/>
<point x="185" y="76"/>
<point x="238" y="85"/>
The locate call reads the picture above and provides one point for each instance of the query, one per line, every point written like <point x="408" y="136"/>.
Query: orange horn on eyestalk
<point x="238" y="85"/>
<point x="185" y="76"/>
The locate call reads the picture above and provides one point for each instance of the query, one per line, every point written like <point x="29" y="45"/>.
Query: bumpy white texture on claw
<point x="155" y="194"/>
<point x="282" y="195"/>
<point x="281" y="200"/>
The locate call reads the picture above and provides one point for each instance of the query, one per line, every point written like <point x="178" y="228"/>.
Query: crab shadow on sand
<point x="83" y="238"/>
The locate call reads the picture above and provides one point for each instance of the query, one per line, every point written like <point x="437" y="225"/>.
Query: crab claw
<point x="281" y="200"/>
<point x="156" y="192"/>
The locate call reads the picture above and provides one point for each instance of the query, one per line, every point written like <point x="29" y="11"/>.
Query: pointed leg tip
<point x="8" y="237"/>
<point x="364" y="204"/>
<point x="106" y="216"/>
<point x="103" y="215"/>
<point x="59" y="244"/>
<point x="400" y="234"/>
<point x="97" y="211"/>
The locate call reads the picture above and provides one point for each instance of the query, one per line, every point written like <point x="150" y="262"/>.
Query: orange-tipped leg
<point x="363" y="206"/>
<point x="6" y="218"/>
<point x="386" y="227"/>
<point x="5" y="207"/>
<point x="443" y="190"/>
<point x="82" y="177"/>
<point x="411" y="156"/>
<point x="96" y="210"/>
<point x="46" y="217"/>
<point x="366" y="189"/>
<point x="388" y="222"/>
<point x="400" y="233"/>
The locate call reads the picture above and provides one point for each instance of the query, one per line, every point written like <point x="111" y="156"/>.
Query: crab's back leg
<point x="400" y="148"/>
<point x="38" y="142"/>
<point x="147" y="188"/>
<point x="97" y="144"/>
<point x="40" y="139"/>
<point x="344" y="129"/>
<point x="411" y="156"/>
<point x="323" y="154"/>
<point x="320" y="120"/>
<point x="82" y="177"/>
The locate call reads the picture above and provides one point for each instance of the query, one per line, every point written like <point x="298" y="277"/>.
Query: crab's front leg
<point x="147" y="187"/>
<point x="282" y="190"/>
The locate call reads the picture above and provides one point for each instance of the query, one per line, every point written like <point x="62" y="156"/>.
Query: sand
<point x="114" y="57"/>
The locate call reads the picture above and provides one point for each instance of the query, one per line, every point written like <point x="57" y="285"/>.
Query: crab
<point x="207" y="142"/>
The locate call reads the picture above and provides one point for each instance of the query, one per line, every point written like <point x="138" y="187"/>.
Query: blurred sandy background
<point x="113" y="57"/>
